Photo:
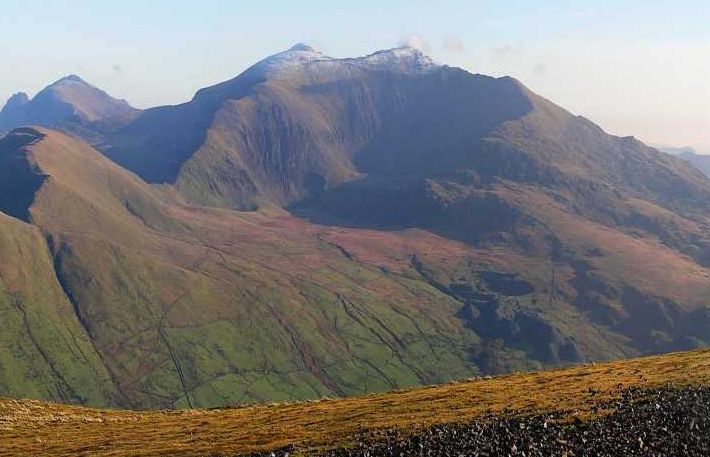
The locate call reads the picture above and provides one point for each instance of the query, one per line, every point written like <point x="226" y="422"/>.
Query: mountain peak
<point x="69" y="79"/>
<point x="303" y="47"/>
<point x="17" y="100"/>
<point x="278" y="64"/>
<point x="304" y="61"/>
<point x="68" y="98"/>
<point x="404" y="58"/>
<point x="73" y="78"/>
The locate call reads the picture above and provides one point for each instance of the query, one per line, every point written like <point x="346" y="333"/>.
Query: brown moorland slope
<point x="45" y="429"/>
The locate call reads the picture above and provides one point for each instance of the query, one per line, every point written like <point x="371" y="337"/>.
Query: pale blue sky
<point x="636" y="67"/>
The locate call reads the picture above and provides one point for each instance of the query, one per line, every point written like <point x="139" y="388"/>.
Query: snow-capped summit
<point x="303" y="47"/>
<point x="301" y="55"/>
<point x="404" y="59"/>
<point x="302" y="62"/>
<point x="278" y="65"/>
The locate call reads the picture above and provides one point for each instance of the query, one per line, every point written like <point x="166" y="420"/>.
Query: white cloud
<point x="415" y="41"/>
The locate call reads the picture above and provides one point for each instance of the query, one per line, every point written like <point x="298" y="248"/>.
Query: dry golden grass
<point x="43" y="429"/>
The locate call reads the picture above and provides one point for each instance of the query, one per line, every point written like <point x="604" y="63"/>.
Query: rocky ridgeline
<point x="649" y="423"/>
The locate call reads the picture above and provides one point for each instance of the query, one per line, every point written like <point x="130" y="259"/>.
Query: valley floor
<point x="632" y="407"/>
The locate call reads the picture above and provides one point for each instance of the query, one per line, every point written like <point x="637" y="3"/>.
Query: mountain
<point x="15" y="102"/>
<point x="292" y="125"/>
<point x="347" y="140"/>
<point x="673" y="150"/>
<point x="700" y="161"/>
<point x="578" y="410"/>
<point x="299" y="123"/>
<point x="69" y="103"/>
<point x="409" y="223"/>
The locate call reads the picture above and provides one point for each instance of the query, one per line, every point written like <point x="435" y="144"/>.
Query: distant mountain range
<point x="320" y="226"/>
<point x="699" y="161"/>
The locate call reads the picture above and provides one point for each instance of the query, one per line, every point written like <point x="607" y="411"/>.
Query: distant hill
<point x="69" y="103"/>
<point x="674" y="150"/>
<point x="408" y="223"/>
<point x="699" y="161"/>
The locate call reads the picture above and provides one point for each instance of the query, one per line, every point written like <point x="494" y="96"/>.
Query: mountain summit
<point x="70" y="103"/>
<point x="402" y="59"/>
<point x="277" y="64"/>
<point x="15" y="102"/>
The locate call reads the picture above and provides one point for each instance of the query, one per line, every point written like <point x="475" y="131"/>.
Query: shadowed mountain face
<point x="70" y="104"/>
<point x="18" y="180"/>
<point x="416" y="223"/>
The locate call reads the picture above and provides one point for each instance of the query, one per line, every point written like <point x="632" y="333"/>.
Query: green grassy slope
<point x="44" y="352"/>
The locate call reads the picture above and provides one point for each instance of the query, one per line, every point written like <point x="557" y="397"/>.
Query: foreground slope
<point x="585" y="394"/>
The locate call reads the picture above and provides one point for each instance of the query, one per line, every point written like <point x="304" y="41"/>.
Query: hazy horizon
<point x="636" y="68"/>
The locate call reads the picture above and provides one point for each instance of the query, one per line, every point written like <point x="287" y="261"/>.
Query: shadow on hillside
<point x="19" y="182"/>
